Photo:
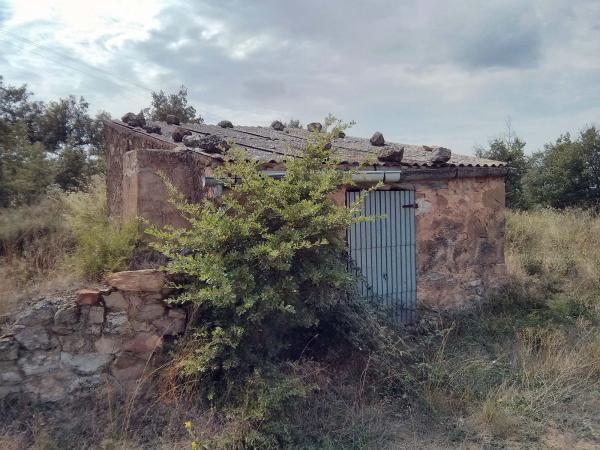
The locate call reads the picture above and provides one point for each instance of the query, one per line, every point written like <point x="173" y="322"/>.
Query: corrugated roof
<point x="269" y="145"/>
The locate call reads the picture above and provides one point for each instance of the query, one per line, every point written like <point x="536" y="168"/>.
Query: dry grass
<point x="530" y="359"/>
<point x="524" y="371"/>
<point x="59" y="242"/>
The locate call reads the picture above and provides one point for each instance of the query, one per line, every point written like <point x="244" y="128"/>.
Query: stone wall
<point x="460" y="240"/>
<point x="117" y="144"/>
<point x="143" y="191"/>
<point x="56" y="348"/>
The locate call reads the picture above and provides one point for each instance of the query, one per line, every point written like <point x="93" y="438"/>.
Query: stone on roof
<point x="274" y="145"/>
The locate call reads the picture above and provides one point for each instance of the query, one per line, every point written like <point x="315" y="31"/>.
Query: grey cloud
<point x="264" y="88"/>
<point x="502" y="38"/>
<point x="417" y="70"/>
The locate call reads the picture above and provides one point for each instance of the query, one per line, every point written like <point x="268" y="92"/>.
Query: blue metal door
<point x="383" y="251"/>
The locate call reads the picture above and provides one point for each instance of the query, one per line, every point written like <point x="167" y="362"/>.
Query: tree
<point x="175" y="104"/>
<point x="65" y="122"/>
<point x="510" y="149"/>
<point x="25" y="170"/>
<point x="42" y="144"/>
<point x="567" y="172"/>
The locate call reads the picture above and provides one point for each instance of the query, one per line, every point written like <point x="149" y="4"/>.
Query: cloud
<point x="419" y="71"/>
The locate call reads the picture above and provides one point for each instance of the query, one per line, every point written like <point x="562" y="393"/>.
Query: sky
<point x="449" y="73"/>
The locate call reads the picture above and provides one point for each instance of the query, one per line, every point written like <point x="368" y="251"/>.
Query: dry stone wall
<point x="57" y="349"/>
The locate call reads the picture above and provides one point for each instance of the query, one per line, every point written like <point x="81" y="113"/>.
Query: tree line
<point x="565" y="173"/>
<point x="59" y="143"/>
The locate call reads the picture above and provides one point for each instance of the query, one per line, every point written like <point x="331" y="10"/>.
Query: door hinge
<point x="411" y="205"/>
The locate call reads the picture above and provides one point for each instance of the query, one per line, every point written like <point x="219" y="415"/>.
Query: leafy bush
<point x="265" y="265"/>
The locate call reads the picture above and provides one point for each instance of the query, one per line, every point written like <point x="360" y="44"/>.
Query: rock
<point x="391" y="154"/>
<point x="83" y="384"/>
<point x="88" y="296"/>
<point x="172" y="119"/>
<point x="128" y="367"/>
<point x="339" y="134"/>
<point x="143" y="343"/>
<point x="211" y="143"/>
<point x="108" y="344"/>
<point x="86" y="364"/>
<point x="169" y="326"/>
<point x="440" y="155"/>
<point x="138" y="326"/>
<point x="115" y="302"/>
<point x="134" y="120"/>
<point x="129" y="118"/>
<point x="117" y="323"/>
<point x="9" y="349"/>
<point x="96" y="315"/>
<point x="314" y="126"/>
<point x="149" y="312"/>
<point x="33" y="338"/>
<point x="10" y="373"/>
<point x="50" y="388"/>
<point x="67" y="315"/>
<point x="377" y="139"/>
<point x="179" y="134"/>
<point x="74" y="343"/>
<point x="39" y="362"/>
<point x="41" y="312"/>
<point x="277" y="125"/>
<point x="5" y="391"/>
<point x="149" y="280"/>
<point x="225" y="124"/>
<point x="155" y="129"/>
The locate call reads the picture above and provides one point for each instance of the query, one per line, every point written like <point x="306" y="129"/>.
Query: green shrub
<point x="265" y="265"/>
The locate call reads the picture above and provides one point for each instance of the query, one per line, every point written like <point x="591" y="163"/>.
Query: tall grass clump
<point x="63" y="238"/>
<point x="100" y="245"/>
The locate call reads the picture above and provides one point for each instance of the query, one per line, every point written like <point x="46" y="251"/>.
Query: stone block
<point x="96" y="315"/>
<point x="148" y="280"/>
<point x="115" y="301"/>
<point x="128" y="367"/>
<point x="170" y="326"/>
<point x="67" y="315"/>
<point x="41" y="313"/>
<point x="74" y="343"/>
<point x="33" y="338"/>
<point x="9" y="349"/>
<point x="86" y="364"/>
<point x="117" y="323"/>
<point x="108" y="344"/>
<point x="39" y="362"/>
<point x="50" y="388"/>
<point x="10" y="373"/>
<point x="143" y="343"/>
<point x="89" y="297"/>
<point x="149" y="312"/>
<point x="5" y="391"/>
<point x="138" y="326"/>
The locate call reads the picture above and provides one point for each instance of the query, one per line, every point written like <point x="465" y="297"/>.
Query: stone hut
<point x="440" y="244"/>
